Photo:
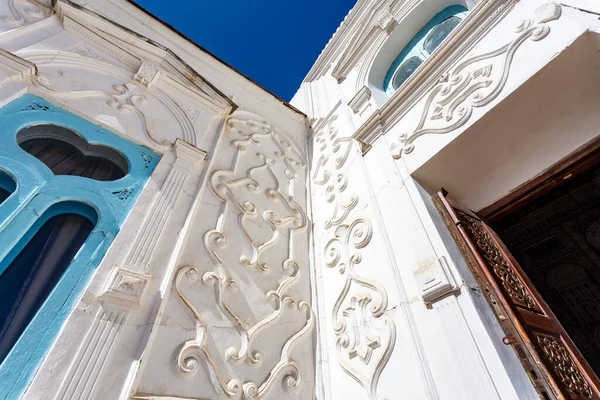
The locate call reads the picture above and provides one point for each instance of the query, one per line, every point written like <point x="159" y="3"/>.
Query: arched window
<point x="44" y="253"/>
<point x="66" y="187"/>
<point x="422" y="45"/>
<point x="66" y="153"/>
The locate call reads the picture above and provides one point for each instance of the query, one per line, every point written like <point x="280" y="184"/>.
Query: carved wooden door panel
<point x="554" y="364"/>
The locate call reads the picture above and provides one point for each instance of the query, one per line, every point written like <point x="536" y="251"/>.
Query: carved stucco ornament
<point x="386" y="21"/>
<point x="254" y="195"/>
<point x="127" y="98"/>
<point x="329" y="174"/>
<point x="360" y="321"/>
<point x="365" y="333"/>
<point x="25" y="11"/>
<point x="473" y="83"/>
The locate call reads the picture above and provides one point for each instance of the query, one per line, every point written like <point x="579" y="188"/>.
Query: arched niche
<point x="378" y="62"/>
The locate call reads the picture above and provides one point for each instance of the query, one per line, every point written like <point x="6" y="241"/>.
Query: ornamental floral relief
<point x="364" y="333"/>
<point x="126" y="98"/>
<point x="473" y="83"/>
<point x="23" y="12"/>
<point x="329" y="175"/>
<point x="251" y="256"/>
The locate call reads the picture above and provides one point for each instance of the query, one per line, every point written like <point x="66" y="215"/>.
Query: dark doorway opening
<point x="554" y="234"/>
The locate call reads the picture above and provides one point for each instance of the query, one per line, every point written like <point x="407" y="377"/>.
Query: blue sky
<point x="274" y="42"/>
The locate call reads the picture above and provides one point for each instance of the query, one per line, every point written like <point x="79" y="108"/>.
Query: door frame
<point x="516" y="335"/>
<point x="571" y="165"/>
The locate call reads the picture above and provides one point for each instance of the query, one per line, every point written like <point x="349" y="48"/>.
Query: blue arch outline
<point x="415" y="46"/>
<point x="40" y="193"/>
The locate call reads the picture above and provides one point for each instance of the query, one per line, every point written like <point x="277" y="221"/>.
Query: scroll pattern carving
<point x="256" y="192"/>
<point x="25" y="11"/>
<point x="126" y="98"/>
<point x="328" y="174"/>
<point x="473" y="83"/>
<point x="562" y="366"/>
<point x="359" y="316"/>
<point x="365" y="333"/>
<point x="505" y="275"/>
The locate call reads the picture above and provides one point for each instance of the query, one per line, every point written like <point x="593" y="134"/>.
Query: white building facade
<point x="422" y="222"/>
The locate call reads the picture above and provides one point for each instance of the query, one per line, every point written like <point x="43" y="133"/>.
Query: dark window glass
<point x="4" y="195"/>
<point x="439" y="33"/>
<point x="67" y="153"/>
<point x="7" y="186"/>
<point x="406" y="69"/>
<point x="30" y="277"/>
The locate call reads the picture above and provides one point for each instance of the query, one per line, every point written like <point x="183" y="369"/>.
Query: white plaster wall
<point x="374" y="238"/>
<point x="239" y="88"/>
<point x="241" y="174"/>
<point x="236" y="316"/>
<point x="340" y="316"/>
<point x="456" y="341"/>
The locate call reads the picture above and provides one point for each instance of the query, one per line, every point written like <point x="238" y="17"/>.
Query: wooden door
<point x="554" y="364"/>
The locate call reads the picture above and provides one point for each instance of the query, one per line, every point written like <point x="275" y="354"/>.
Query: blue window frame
<point x="35" y="197"/>
<point x="422" y="45"/>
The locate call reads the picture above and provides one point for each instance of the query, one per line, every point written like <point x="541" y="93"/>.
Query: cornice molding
<point x="327" y="56"/>
<point x="360" y="99"/>
<point x="13" y="68"/>
<point x="478" y="23"/>
<point x="381" y="18"/>
<point x="188" y="49"/>
<point x="141" y="54"/>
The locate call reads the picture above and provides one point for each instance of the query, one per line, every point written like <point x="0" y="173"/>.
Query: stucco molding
<point x="473" y="83"/>
<point x="382" y="18"/>
<point x="360" y="100"/>
<point x="480" y="20"/>
<point x="142" y="54"/>
<point x="360" y="321"/>
<point x="365" y="335"/>
<point x="255" y="192"/>
<point x="127" y="97"/>
<point x="14" y="68"/>
<point x="24" y="12"/>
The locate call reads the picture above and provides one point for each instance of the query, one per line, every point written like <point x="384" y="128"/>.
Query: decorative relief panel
<point x="258" y="204"/>
<point x="364" y="332"/>
<point x="510" y="282"/>
<point x="126" y="98"/>
<point x="562" y="366"/>
<point x="243" y="283"/>
<point x="359" y="317"/>
<point x="23" y="12"/>
<point x="473" y="83"/>
<point x="147" y="103"/>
